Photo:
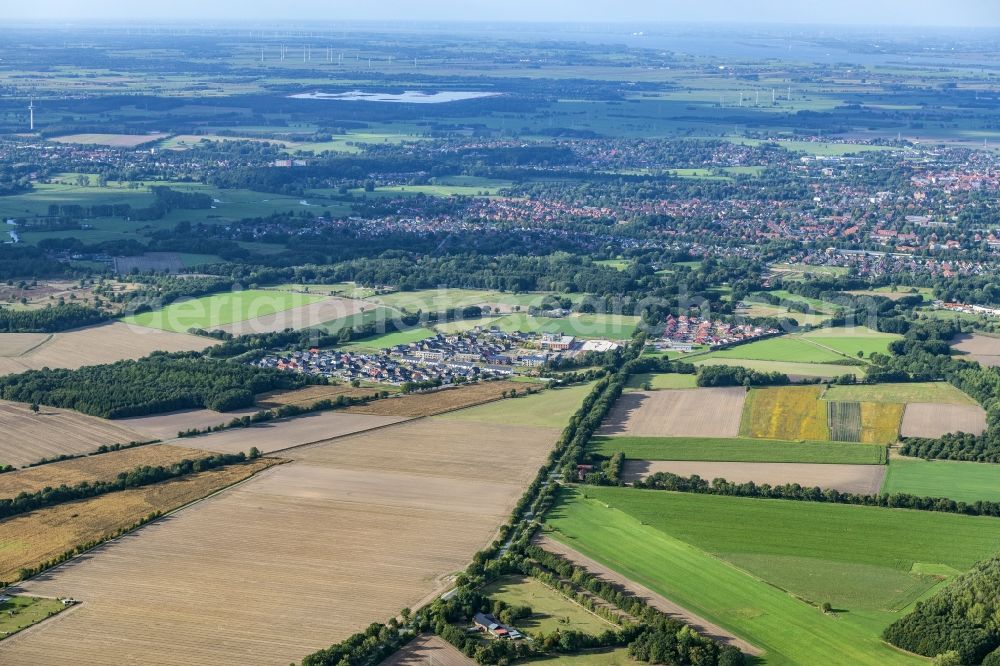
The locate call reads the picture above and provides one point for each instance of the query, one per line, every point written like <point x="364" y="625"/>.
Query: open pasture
<point x="703" y="412"/>
<point x="957" y="480"/>
<point x="615" y="327"/>
<point x="439" y="300"/>
<point x="787" y="412"/>
<point x="35" y="537"/>
<point x="29" y="437"/>
<point x="852" y="342"/>
<point x="103" y="467"/>
<point x="551" y="610"/>
<point x="937" y="392"/>
<point x="104" y="343"/>
<point x="822" y="370"/>
<point x="299" y="317"/>
<point x="934" y="420"/>
<point x="782" y="349"/>
<point x="736" y="449"/>
<point x="218" y="310"/>
<point x="551" y="408"/>
<point x="386" y="340"/>
<point x="984" y="349"/>
<point x="436" y="402"/>
<point x="632" y="533"/>
<point x="350" y="531"/>
<point x="660" y="380"/>
<point x="864" y="479"/>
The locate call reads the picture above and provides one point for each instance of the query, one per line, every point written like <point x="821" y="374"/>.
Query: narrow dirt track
<point x="655" y="600"/>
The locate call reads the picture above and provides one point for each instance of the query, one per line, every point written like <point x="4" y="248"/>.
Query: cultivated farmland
<point x="939" y="392"/>
<point x="105" y="343"/>
<point x="823" y="370"/>
<point x="103" y="467"/>
<point x="112" y="140"/>
<point x="218" y="310"/>
<point x="35" y="537"/>
<point x="960" y="481"/>
<point x="310" y="395"/>
<point x="733" y="449"/>
<point x="166" y="426"/>
<point x="277" y="435"/>
<point x="437" y="402"/>
<point x="428" y="649"/>
<point x="934" y="420"/>
<point x="984" y="349"/>
<point x="350" y="531"/>
<point x="787" y="412"/>
<point x="18" y="344"/>
<point x="863" y="479"/>
<point x="704" y="412"/>
<point x="28" y="437"/>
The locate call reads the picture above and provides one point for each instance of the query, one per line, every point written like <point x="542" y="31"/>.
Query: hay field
<point x="104" y="467"/>
<point x="428" y="649"/>
<point x="35" y="537"/>
<point x="310" y="395"/>
<point x="934" y="420"/>
<point x="278" y="435"/>
<point x="28" y="437"/>
<point x="984" y="349"/>
<point x="305" y="316"/>
<point x="166" y="426"/>
<point x="298" y="558"/>
<point x="437" y="402"/>
<point x="786" y="412"/>
<point x="865" y="479"/>
<point x="104" y="343"/>
<point x="702" y="412"/>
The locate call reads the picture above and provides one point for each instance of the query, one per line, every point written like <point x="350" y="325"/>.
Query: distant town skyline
<point x="925" y="13"/>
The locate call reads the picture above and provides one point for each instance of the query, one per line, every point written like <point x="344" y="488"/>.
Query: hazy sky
<point x="984" y="13"/>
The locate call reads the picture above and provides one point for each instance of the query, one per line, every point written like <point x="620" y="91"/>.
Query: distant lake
<point x="407" y="97"/>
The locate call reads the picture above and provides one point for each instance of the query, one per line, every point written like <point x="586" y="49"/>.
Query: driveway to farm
<point x="655" y="600"/>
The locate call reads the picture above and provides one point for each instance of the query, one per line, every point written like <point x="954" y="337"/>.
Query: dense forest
<point x="152" y="385"/>
<point x="49" y="319"/>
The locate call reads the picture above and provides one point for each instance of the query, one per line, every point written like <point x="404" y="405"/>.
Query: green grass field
<point x="661" y="380"/>
<point x="462" y="325"/>
<point x="783" y="349"/>
<point x="796" y="369"/>
<point x="739" y="450"/>
<point x="22" y="612"/>
<point x="603" y="527"/>
<point x="549" y="409"/>
<point x="551" y="610"/>
<point x="436" y="300"/>
<point x="617" y="264"/>
<point x="850" y="341"/>
<point x="386" y="340"/>
<point x="616" y="327"/>
<point x="344" y="289"/>
<point x="960" y="481"/>
<point x="941" y="392"/>
<point x="217" y="310"/>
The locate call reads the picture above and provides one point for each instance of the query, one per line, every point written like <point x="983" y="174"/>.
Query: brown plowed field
<point x="26" y="437"/>
<point x="703" y="412"/>
<point x="925" y="419"/>
<point x="305" y="316"/>
<point x="104" y="467"/>
<point x="278" y="435"/>
<point x="982" y="348"/>
<point x="425" y="650"/>
<point x="298" y="558"/>
<point x="437" y="402"/>
<point x="35" y="537"/>
<point x="865" y="479"/>
<point x="655" y="600"/>
<point x="104" y="343"/>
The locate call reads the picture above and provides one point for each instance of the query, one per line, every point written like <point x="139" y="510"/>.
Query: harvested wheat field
<point x="310" y="395"/>
<point x="300" y="557"/>
<point x="428" y="649"/>
<point x="166" y="426"/>
<point x="29" y="437"/>
<point x="703" y="412"/>
<point x="984" y="349"/>
<point x="923" y="419"/>
<point x="437" y="402"/>
<point x="104" y="343"/>
<point x="305" y="316"/>
<point x="103" y="467"/>
<point x="16" y="344"/>
<point x="278" y="435"/>
<point x="865" y="479"/>
<point x="35" y="537"/>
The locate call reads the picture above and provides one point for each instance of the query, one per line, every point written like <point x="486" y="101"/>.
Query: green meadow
<point x="217" y="310"/>
<point x="957" y="480"/>
<point x="738" y="449"/>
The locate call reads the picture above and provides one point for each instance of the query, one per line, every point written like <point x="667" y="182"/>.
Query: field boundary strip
<point x="48" y="339"/>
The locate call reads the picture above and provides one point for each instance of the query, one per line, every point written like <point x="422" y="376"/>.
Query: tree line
<point x="50" y="319"/>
